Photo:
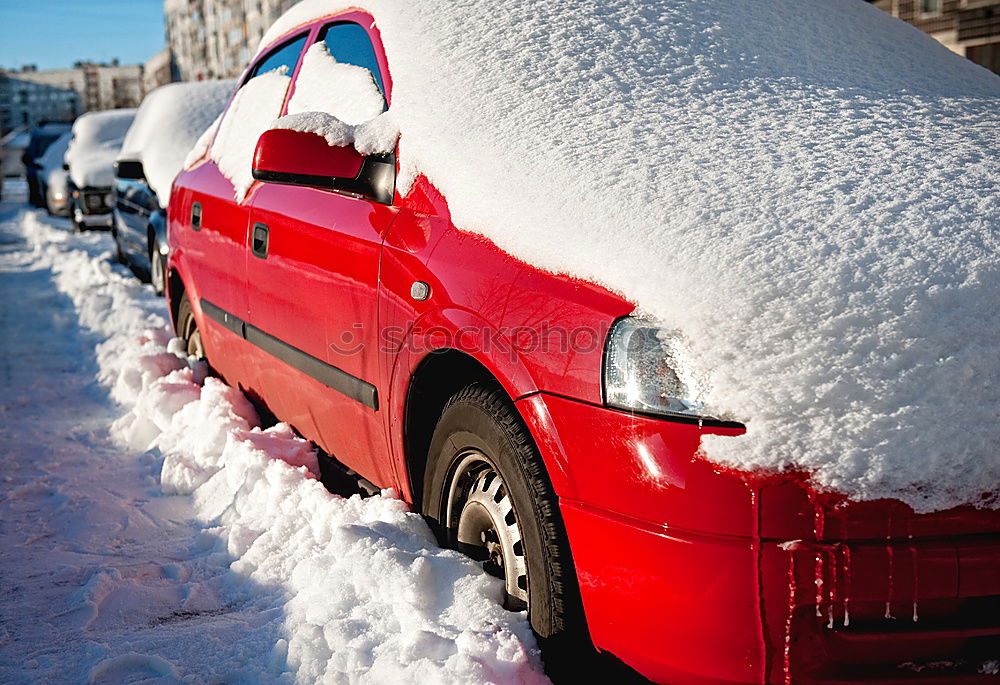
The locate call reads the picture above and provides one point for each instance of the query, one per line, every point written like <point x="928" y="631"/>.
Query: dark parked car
<point x="42" y="136"/>
<point x="167" y="125"/>
<point x="97" y="138"/>
<point x="139" y="229"/>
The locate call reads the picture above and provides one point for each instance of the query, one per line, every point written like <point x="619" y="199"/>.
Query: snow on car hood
<point x="806" y="189"/>
<point x="167" y="125"/>
<point x="97" y="137"/>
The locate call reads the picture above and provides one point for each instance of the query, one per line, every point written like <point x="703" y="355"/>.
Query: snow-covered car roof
<point x="169" y="121"/>
<point x="806" y="192"/>
<point x="97" y="137"/>
<point x="55" y="153"/>
<point x="43" y="135"/>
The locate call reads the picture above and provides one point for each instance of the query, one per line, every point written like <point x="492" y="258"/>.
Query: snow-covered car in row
<point x="168" y="123"/>
<point x="678" y="315"/>
<point x="41" y="137"/>
<point x="93" y="149"/>
<point x="53" y="179"/>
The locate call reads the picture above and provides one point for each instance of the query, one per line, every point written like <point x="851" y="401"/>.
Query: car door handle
<point x="259" y="240"/>
<point x="196" y="216"/>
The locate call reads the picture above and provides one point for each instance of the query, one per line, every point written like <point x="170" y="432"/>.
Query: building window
<point x="930" y="7"/>
<point x="985" y="55"/>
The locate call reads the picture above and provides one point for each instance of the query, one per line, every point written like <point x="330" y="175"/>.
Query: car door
<point x="132" y="211"/>
<point x="313" y="275"/>
<point x="219" y="210"/>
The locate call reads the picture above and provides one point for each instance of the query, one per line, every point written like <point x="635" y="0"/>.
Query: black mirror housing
<point x="130" y="169"/>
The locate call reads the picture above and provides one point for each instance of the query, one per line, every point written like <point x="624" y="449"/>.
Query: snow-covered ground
<point x="152" y="532"/>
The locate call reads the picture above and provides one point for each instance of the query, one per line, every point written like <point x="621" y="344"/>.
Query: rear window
<point x="348" y="43"/>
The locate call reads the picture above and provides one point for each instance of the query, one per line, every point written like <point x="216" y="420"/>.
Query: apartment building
<point x="213" y="39"/>
<point x="32" y="94"/>
<point x="24" y="102"/>
<point x="159" y="70"/>
<point x="969" y="27"/>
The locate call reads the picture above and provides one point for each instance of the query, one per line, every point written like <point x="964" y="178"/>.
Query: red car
<point x="489" y="393"/>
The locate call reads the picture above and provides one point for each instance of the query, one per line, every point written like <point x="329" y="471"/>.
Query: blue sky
<point x="55" y="33"/>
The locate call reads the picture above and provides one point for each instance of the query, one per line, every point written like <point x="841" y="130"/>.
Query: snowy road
<point x="151" y="533"/>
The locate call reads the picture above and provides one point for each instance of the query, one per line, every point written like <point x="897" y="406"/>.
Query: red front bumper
<point x="691" y="574"/>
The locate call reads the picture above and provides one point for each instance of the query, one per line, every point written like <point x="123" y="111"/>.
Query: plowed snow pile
<point x="806" y="190"/>
<point x="360" y="587"/>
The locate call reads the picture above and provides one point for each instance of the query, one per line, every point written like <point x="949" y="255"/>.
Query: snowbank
<point x="806" y="189"/>
<point x="97" y="137"/>
<point x="361" y="588"/>
<point x="167" y="125"/>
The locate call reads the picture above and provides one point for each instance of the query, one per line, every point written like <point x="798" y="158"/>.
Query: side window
<point x="348" y="43"/>
<point x="254" y="107"/>
<point x="286" y="55"/>
<point x="340" y="76"/>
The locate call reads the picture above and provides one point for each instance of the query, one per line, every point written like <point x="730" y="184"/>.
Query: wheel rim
<point x="193" y="337"/>
<point x="481" y="514"/>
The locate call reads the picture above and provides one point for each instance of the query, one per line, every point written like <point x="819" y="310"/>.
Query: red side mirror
<point x="306" y="159"/>
<point x="280" y="151"/>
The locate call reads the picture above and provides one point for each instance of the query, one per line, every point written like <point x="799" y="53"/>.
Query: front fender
<point x="457" y="329"/>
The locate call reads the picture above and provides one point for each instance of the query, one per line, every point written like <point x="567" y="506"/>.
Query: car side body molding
<point x="353" y="387"/>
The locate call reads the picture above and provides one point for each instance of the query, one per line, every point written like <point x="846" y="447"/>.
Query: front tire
<point x="187" y="329"/>
<point x="157" y="268"/>
<point x="487" y="493"/>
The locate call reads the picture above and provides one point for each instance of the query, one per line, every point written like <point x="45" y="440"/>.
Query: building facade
<point x="969" y="27"/>
<point x="213" y="39"/>
<point x="24" y="102"/>
<point x="159" y="70"/>
<point x="30" y="95"/>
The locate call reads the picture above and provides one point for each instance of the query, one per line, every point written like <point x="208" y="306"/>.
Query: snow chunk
<point x="169" y="122"/>
<point x="806" y="190"/>
<point x="377" y="136"/>
<point x="346" y="91"/>
<point x="97" y="137"/>
<point x="255" y="106"/>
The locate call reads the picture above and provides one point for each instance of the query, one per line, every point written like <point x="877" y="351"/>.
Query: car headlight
<point x="109" y="200"/>
<point x="645" y="371"/>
